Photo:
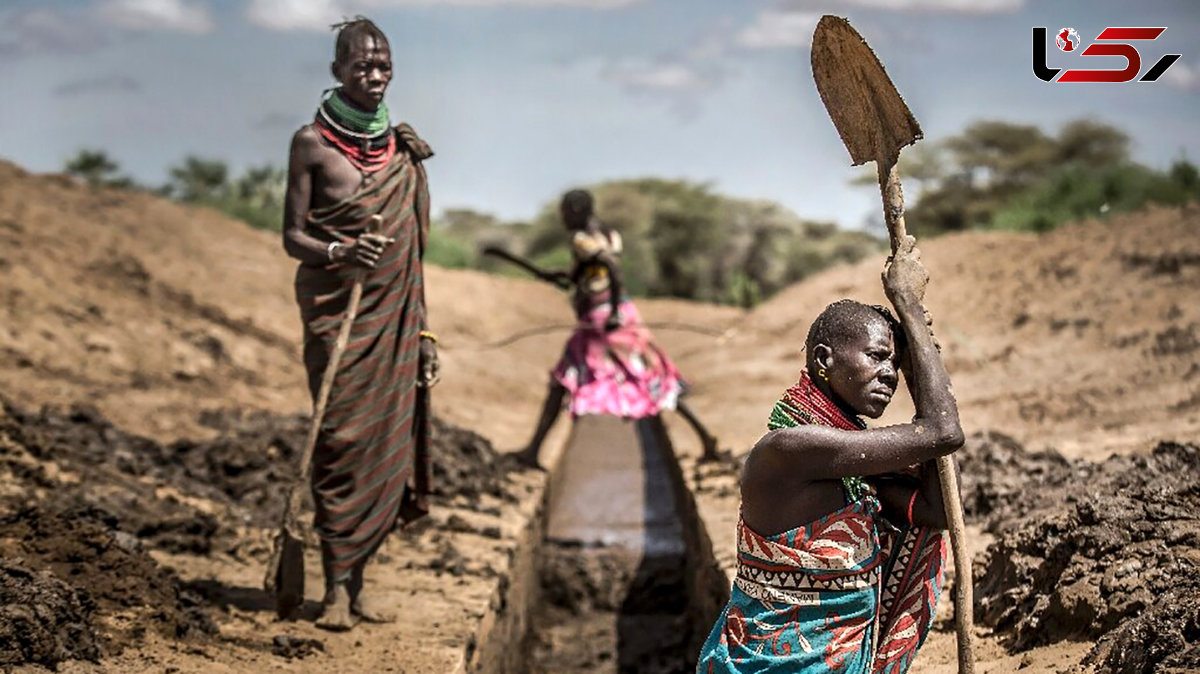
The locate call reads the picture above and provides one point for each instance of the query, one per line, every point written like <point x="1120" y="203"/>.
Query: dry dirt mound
<point x="1087" y="550"/>
<point x="155" y="312"/>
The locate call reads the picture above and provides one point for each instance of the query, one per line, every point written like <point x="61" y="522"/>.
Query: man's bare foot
<point x="711" y="452"/>
<point x="370" y="610"/>
<point x="335" y="614"/>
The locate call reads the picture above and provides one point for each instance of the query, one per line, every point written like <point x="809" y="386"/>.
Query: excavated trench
<point x="628" y="582"/>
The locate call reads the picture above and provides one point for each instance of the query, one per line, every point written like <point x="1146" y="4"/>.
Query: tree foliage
<point x="999" y="174"/>
<point x="681" y="239"/>
<point x="255" y="197"/>
<point x="97" y="169"/>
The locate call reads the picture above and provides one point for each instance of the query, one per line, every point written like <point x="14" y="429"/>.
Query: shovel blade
<point x="285" y="575"/>
<point x="869" y="113"/>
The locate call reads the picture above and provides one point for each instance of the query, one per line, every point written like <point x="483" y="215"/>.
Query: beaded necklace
<point x="804" y="404"/>
<point x="365" y="138"/>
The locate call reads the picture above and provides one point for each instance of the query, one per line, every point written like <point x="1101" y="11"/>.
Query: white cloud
<point x="1183" y="76"/>
<point x="661" y="76"/>
<point x="296" y="14"/>
<point x="779" y="28"/>
<point x="320" y="14"/>
<point x="148" y="15"/>
<point x="680" y="81"/>
<point x="951" y="6"/>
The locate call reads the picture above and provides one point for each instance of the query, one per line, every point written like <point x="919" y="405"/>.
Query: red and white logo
<point x="1067" y="39"/>
<point x="1112" y="41"/>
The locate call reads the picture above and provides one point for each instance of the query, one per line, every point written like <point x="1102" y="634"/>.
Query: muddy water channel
<point x="628" y="581"/>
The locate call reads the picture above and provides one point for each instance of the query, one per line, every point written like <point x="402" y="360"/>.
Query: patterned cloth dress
<point x="370" y="471"/>
<point x="620" y="372"/>
<point x="846" y="593"/>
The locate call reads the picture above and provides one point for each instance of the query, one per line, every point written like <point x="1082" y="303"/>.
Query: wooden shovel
<point x="285" y="568"/>
<point x="875" y="125"/>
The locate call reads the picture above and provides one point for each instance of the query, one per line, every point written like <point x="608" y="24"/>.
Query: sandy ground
<point x="1083" y="340"/>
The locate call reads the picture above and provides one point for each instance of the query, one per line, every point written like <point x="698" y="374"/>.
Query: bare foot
<point x="370" y="610"/>
<point x="710" y="450"/>
<point x="335" y="614"/>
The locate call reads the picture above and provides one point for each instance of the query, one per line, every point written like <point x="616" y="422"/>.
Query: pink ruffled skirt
<point x="621" y="373"/>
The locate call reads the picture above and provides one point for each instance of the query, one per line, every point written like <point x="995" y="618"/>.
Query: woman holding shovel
<point x="610" y="364"/>
<point x="840" y="544"/>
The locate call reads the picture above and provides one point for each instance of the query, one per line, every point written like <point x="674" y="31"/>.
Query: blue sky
<point x="522" y="99"/>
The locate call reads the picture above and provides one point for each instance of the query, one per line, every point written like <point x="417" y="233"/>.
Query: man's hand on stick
<point x="365" y="251"/>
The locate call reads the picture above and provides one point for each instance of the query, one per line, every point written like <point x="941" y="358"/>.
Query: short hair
<point x="844" y="318"/>
<point x="350" y="29"/>
<point x="578" y="203"/>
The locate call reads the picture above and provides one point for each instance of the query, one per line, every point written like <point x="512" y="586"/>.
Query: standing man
<point x="370" y="469"/>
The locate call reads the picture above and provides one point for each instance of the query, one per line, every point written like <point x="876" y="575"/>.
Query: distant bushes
<point x="1076" y="191"/>
<point x="255" y="197"/>
<point x="1001" y="175"/>
<point x="681" y="240"/>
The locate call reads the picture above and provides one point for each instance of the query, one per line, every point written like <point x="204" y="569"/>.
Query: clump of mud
<point x="465" y="464"/>
<point x="42" y="619"/>
<point x="242" y="470"/>
<point x="85" y="568"/>
<point x="1085" y="550"/>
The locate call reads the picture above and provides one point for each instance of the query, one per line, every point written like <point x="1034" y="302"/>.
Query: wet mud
<point x="1100" y="551"/>
<point x="624" y="574"/>
<point x="77" y="580"/>
<point x="86" y="570"/>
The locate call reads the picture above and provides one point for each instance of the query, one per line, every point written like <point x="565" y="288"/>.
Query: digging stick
<point x="528" y="266"/>
<point x="893" y="209"/>
<point x="875" y="124"/>
<point x="285" y="568"/>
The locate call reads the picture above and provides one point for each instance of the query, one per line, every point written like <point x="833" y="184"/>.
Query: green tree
<point x="96" y="168"/>
<point x="199" y="179"/>
<point x="968" y="180"/>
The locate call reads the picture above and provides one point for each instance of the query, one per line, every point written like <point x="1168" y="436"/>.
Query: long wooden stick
<point x="496" y="251"/>
<point x="295" y="490"/>
<point x="964" y="609"/>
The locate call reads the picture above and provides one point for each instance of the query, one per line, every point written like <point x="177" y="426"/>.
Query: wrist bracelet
<point x="428" y="334"/>
<point x="333" y="245"/>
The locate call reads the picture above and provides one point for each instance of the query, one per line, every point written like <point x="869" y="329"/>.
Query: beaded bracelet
<point x="428" y="334"/>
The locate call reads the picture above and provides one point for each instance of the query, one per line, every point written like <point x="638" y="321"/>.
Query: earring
<point x="822" y="375"/>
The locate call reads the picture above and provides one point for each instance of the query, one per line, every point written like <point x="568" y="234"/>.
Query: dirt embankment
<point x="1106" y="551"/>
<point x="84" y="503"/>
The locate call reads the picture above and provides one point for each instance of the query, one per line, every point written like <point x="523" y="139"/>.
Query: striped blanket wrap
<point x="848" y="592"/>
<point x="369" y="473"/>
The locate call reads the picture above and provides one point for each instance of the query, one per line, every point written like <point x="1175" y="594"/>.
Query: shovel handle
<point x="964" y="607"/>
<point x="964" y="595"/>
<point x="893" y="200"/>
